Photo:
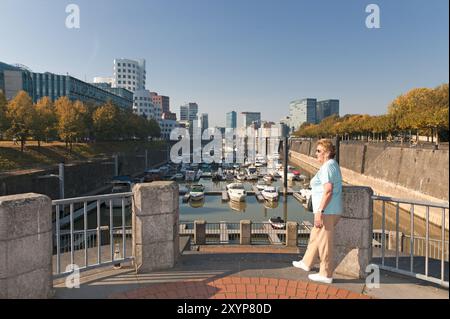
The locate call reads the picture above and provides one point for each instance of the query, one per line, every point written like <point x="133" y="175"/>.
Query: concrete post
<point x="246" y="232"/>
<point x="392" y="241"/>
<point x="353" y="234"/>
<point x="26" y="246"/>
<point x="200" y="232"/>
<point x="155" y="225"/>
<point x="291" y="234"/>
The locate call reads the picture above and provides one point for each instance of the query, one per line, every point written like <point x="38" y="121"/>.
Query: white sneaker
<point x="319" y="278"/>
<point x="300" y="264"/>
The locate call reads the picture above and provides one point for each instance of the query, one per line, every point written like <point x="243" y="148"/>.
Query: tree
<point x="71" y="120"/>
<point x="3" y="119"/>
<point x="46" y="121"/>
<point x="22" y="116"/>
<point x="107" y="122"/>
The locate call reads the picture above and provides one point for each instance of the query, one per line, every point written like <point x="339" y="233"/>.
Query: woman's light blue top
<point x="329" y="172"/>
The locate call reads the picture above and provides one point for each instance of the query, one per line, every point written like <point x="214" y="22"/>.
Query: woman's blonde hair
<point x="328" y="146"/>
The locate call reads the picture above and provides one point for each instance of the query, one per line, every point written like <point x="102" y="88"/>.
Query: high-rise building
<point x="184" y="113"/>
<point x="249" y="118"/>
<point x="204" y="121"/>
<point x="193" y="111"/>
<point x="161" y="100"/>
<point x="231" y="119"/>
<point x="326" y="108"/>
<point x="129" y="74"/>
<point x="301" y="111"/>
<point x="188" y="112"/>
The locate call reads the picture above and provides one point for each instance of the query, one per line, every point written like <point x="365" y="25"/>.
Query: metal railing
<point x="264" y="233"/>
<point x="77" y="246"/>
<point x="261" y="233"/>
<point x="435" y="255"/>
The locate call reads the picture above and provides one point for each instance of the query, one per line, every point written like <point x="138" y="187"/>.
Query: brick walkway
<point x="233" y="287"/>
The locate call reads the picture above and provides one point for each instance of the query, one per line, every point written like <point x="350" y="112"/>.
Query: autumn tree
<point x="3" y="120"/>
<point x="46" y="121"/>
<point x="71" y="120"/>
<point x="107" y="122"/>
<point x="22" y="116"/>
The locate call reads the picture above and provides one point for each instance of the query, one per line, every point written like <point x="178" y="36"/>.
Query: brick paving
<point x="233" y="287"/>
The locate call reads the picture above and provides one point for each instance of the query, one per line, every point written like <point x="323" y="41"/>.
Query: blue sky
<point x="243" y="55"/>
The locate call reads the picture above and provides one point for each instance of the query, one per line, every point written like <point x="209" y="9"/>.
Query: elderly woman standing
<point x="327" y="206"/>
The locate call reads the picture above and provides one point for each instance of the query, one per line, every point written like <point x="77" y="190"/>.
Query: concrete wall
<point x="353" y="236"/>
<point x="80" y="179"/>
<point x="421" y="170"/>
<point x="25" y="246"/>
<point x="155" y="225"/>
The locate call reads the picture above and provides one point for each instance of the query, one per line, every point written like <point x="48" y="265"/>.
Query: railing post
<point x="291" y="234"/>
<point x="246" y="232"/>
<point x="353" y="233"/>
<point x="155" y="225"/>
<point x="200" y="232"/>
<point x="26" y="246"/>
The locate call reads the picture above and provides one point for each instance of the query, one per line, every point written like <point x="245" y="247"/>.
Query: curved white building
<point x="129" y="74"/>
<point x="143" y="105"/>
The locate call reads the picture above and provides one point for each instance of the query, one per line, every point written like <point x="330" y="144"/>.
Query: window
<point x="129" y="65"/>
<point x="120" y="82"/>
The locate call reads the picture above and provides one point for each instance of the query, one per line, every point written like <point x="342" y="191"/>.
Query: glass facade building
<point x="231" y="119"/>
<point x="326" y="108"/>
<point x="249" y="118"/>
<point x="301" y="111"/>
<point x="55" y="86"/>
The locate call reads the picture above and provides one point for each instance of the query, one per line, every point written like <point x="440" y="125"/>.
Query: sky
<point x="242" y="55"/>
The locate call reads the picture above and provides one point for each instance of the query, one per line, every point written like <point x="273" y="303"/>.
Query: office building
<point x="204" y="121"/>
<point x="129" y="74"/>
<point x="231" y="119"/>
<point x="161" y="100"/>
<point x="249" y="118"/>
<point x="301" y="111"/>
<point x="326" y="108"/>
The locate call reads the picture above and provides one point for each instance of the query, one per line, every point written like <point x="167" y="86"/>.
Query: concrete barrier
<point x="25" y="246"/>
<point x="353" y="236"/>
<point x="155" y="226"/>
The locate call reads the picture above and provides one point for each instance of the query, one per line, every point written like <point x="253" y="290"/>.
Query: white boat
<point x="236" y="192"/>
<point x="120" y="185"/>
<point x="261" y="185"/>
<point x="177" y="176"/>
<point x="305" y="194"/>
<point x="267" y="178"/>
<point x="252" y="177"/>
<point x="207" y="174"/>
<point x="277" y="222"/>
<point x="260" y="160"/>
<point x="241" y="177"/>
<point x="197" y="192"/>
<point x="270" y="193"/>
